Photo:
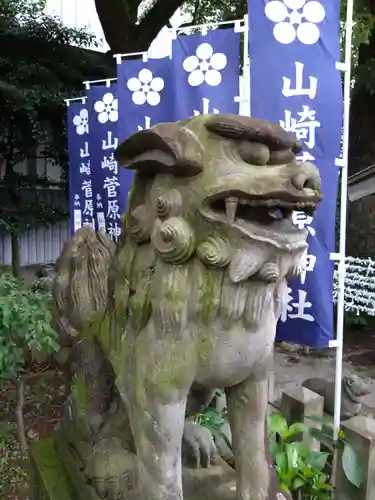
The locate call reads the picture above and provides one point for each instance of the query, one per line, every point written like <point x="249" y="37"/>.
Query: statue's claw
<point x="198" y="447"/>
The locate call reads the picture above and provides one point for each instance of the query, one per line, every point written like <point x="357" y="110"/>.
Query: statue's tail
<point x="80" y="287"/>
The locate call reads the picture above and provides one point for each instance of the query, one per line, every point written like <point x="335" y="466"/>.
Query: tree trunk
<point x="20" y="390"/>
<point x="119" y="22"/>
<point x="16" y="259"/>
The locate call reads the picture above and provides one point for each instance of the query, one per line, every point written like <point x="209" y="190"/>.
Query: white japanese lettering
<point x="110" y="184"/>
<point x="304" y="127"/>
<point x="147" y="124"/>
<point x="114" y="230"/>
<point x="299" y="90"/>
<point x="87" y="188"/>
<point x="296" y="310"/>
<point x="77" y="202"/>
<point x="89" y="208"/>
<point x="305" y="156"/>
<point x="302" y="221"/>
<point x="110" y="163"/>
<point x="310" y="261"/>
<point x="113" y="210"/>
<point x="206" y="108"/>
<point x="110" y="143"/>
<point x="85" y="168"/>
<point x="84" y="152"/>
<point x="99" y="201"/>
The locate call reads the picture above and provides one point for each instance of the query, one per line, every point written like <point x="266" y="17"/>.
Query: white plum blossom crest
<point x="205" y="66"/>
<point x="81" y="122"/>
<point x="107" y="108"/>
<point x="146" y="88"/>
<point x="295" y="19"/>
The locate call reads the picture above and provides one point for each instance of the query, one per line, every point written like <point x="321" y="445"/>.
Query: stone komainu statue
<point x="189" y="300"/>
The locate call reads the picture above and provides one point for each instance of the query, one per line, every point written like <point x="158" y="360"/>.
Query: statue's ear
<point x="166" y="148"/>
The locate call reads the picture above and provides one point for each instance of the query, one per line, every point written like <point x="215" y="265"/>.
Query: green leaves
<point x="298" y="468"/>
<point x="351" y="466"/>
<point x="25" y="324"/>
<point x="44" y="63"/>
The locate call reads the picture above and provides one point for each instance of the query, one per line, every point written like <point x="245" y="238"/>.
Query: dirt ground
<point x="45" y="396"/>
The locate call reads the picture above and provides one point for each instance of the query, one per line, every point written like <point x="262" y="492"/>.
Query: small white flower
<point x="295" y="19"/>
<point x="205" y="66"/>
<point x="146" y="88"/>
<point x="107" y="108"/>
<point x="81" y="122"/>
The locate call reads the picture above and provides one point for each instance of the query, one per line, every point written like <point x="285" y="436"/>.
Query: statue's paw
<point x="198" y="447"/>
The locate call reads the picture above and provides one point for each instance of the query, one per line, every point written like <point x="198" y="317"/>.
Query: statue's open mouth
<point x="248" y="213"/>
<point x="256" y="210"/>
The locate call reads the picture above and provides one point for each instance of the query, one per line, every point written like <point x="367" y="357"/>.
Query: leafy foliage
<point x="303" y="473"/>
<point x="299" y="469"/>
<point x="43" y="62"/>
<point x="351" y="464"/>
<point x="25" y="324"/>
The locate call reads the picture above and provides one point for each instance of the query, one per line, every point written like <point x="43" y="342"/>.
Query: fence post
<point x="360" y="433"/>
<point x="299" y="403"/>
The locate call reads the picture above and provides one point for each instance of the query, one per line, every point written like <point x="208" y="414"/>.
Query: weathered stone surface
<point x="190" y="298"/>
<point x="360" y="433"/>
<point x="298" y="405"/>
<point x="353" y="388"/>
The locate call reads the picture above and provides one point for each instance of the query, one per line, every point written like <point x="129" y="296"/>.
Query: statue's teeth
<point x="231" y="209"/>
<point x="275" y="213"/>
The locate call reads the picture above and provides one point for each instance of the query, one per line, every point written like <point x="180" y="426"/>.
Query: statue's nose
<point x="306" y="175"/>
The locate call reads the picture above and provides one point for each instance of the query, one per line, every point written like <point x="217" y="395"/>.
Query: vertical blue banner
<point x="80" y="182"/>
<point x="103" y="121"/>
<point x="146" y="97"/>
<point x="206" y="71"/>
<point x="294" y="47"/>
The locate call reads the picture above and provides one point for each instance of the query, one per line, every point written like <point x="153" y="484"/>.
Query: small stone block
<point x="300" y="403"/>
<point x="360" y="433"/>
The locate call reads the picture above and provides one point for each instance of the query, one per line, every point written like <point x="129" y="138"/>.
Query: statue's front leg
<point x="247" y="411"/>
<point x="158" y="428"/>
<point x="157" y="405"/>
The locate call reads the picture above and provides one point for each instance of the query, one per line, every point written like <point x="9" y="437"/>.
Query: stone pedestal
<point x="58" y="475"/>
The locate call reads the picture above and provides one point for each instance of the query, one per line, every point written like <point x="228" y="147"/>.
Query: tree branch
<point x="119" y="25"/>
<point x="117" y="18"/>
<point x="156" y="18"/>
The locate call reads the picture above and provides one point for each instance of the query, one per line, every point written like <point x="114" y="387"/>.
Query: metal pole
<point x="246" y="65"/>
<point x="343" y="213"/>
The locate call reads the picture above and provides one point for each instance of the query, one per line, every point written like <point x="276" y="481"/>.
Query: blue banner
<point x="145" y="94"/>
<point x="206" y="71"/>
<point x="103" y="121"/>
<point x="80" y="185"/>
<point x="294" y="47"/>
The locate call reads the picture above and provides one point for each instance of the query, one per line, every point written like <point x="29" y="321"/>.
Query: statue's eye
<point x="254" y="152"/>
<point x="281" y="157"/>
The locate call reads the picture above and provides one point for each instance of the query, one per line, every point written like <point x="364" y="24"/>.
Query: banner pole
<point x="246" y="64"/>
<point x="346" y="67"/>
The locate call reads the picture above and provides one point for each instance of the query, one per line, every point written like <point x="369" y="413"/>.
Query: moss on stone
<point x="53" y="480"/>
